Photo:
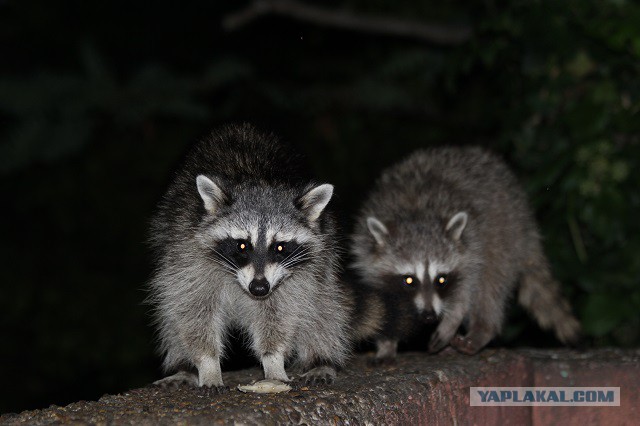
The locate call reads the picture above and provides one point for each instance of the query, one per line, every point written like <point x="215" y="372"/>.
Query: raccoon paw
<point x="381" y="361"/>
<point x="437" y="342"/>
<point x="177" y="380"/>
<point x="324" y="375"/>
<point x="465" y="344"/>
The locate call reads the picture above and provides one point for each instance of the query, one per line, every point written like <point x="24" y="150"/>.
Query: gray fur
<point x="241" y="184"/>
<point x="461" y="212"/>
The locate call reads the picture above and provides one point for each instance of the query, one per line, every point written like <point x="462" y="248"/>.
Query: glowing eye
<point x="441" y="280"/>
<point x="243" y="246"/>
<point x="280" y="248"/>
<point x="408" y="279"/>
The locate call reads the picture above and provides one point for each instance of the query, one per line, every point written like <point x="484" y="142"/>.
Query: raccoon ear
<point x="315" y="200"/>
<point x="211" y="194"/>
<point x="377" y="229"/>
<point x="457" y="224"/>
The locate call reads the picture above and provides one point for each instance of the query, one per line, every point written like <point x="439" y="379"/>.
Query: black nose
<point x="259" y="287"/>
<point x="429" y="317"/>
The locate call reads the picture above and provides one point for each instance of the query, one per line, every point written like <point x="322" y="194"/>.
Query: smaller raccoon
<point x="446" y="236"/>
<point x="244" y="241"/>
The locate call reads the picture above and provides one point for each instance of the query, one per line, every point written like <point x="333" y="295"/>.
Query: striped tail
<point x="540" y="295"/>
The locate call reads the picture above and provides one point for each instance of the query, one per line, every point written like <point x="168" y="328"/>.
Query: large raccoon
<point x="244" y="241"/>
<point x="446" y="236"/>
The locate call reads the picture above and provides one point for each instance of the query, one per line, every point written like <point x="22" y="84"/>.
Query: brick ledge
<point x="418" y="389"/>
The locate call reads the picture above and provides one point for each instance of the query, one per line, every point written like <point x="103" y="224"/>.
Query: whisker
<point x="300" y="259"/>
<point x="224" y="265"/>
<point x="222" y="260"/>
<point x="295" y="254"/>
<point x="291" y="254"/>
<point x="225" y="258"/>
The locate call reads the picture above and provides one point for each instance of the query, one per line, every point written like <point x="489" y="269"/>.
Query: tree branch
<point x="430" y="33"/>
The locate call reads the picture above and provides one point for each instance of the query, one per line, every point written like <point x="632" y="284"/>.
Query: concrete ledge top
<point x="417" y="389"/>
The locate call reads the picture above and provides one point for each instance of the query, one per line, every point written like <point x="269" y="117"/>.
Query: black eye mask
<point x="445" y="283"/>
<point x="288" y="253"/>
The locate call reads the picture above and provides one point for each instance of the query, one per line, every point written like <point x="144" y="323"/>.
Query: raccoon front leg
<point x="485" y="322"/>
<point x="209" y="372"/>
<point x="481" y="332"/>
<point x="445" y="330"/>
<point x="269" y="344"/>
<point x="273" y="365"/>
<point x="209" y="376"/>
<point x="207" y="356"/>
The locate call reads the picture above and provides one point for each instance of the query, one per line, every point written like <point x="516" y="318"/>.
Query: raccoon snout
<point x="259" y="287"/>
<point x="429" y="317"/>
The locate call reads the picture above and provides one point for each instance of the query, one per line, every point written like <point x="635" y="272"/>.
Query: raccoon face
<point x="421" y="261"/>
<point x="264" y="236"/>
<point x="429" y="284"/>
<point x="260" y="266"/>
<point x="430" y="294"/>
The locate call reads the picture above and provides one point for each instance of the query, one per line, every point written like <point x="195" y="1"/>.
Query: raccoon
<point x="244" y="241"/>
<point x="445" y="237"/>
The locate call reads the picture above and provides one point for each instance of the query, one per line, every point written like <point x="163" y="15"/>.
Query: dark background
<point x="99" y="100"/>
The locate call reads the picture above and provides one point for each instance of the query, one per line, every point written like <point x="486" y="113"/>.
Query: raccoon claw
<point x="177" y="380"/>
<point x="437" y="343"/>
<point x="465" y="345"/>
<point x="213" y="390"/>
<point x="319" y="380"/>
<point x="319" y="376"/>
